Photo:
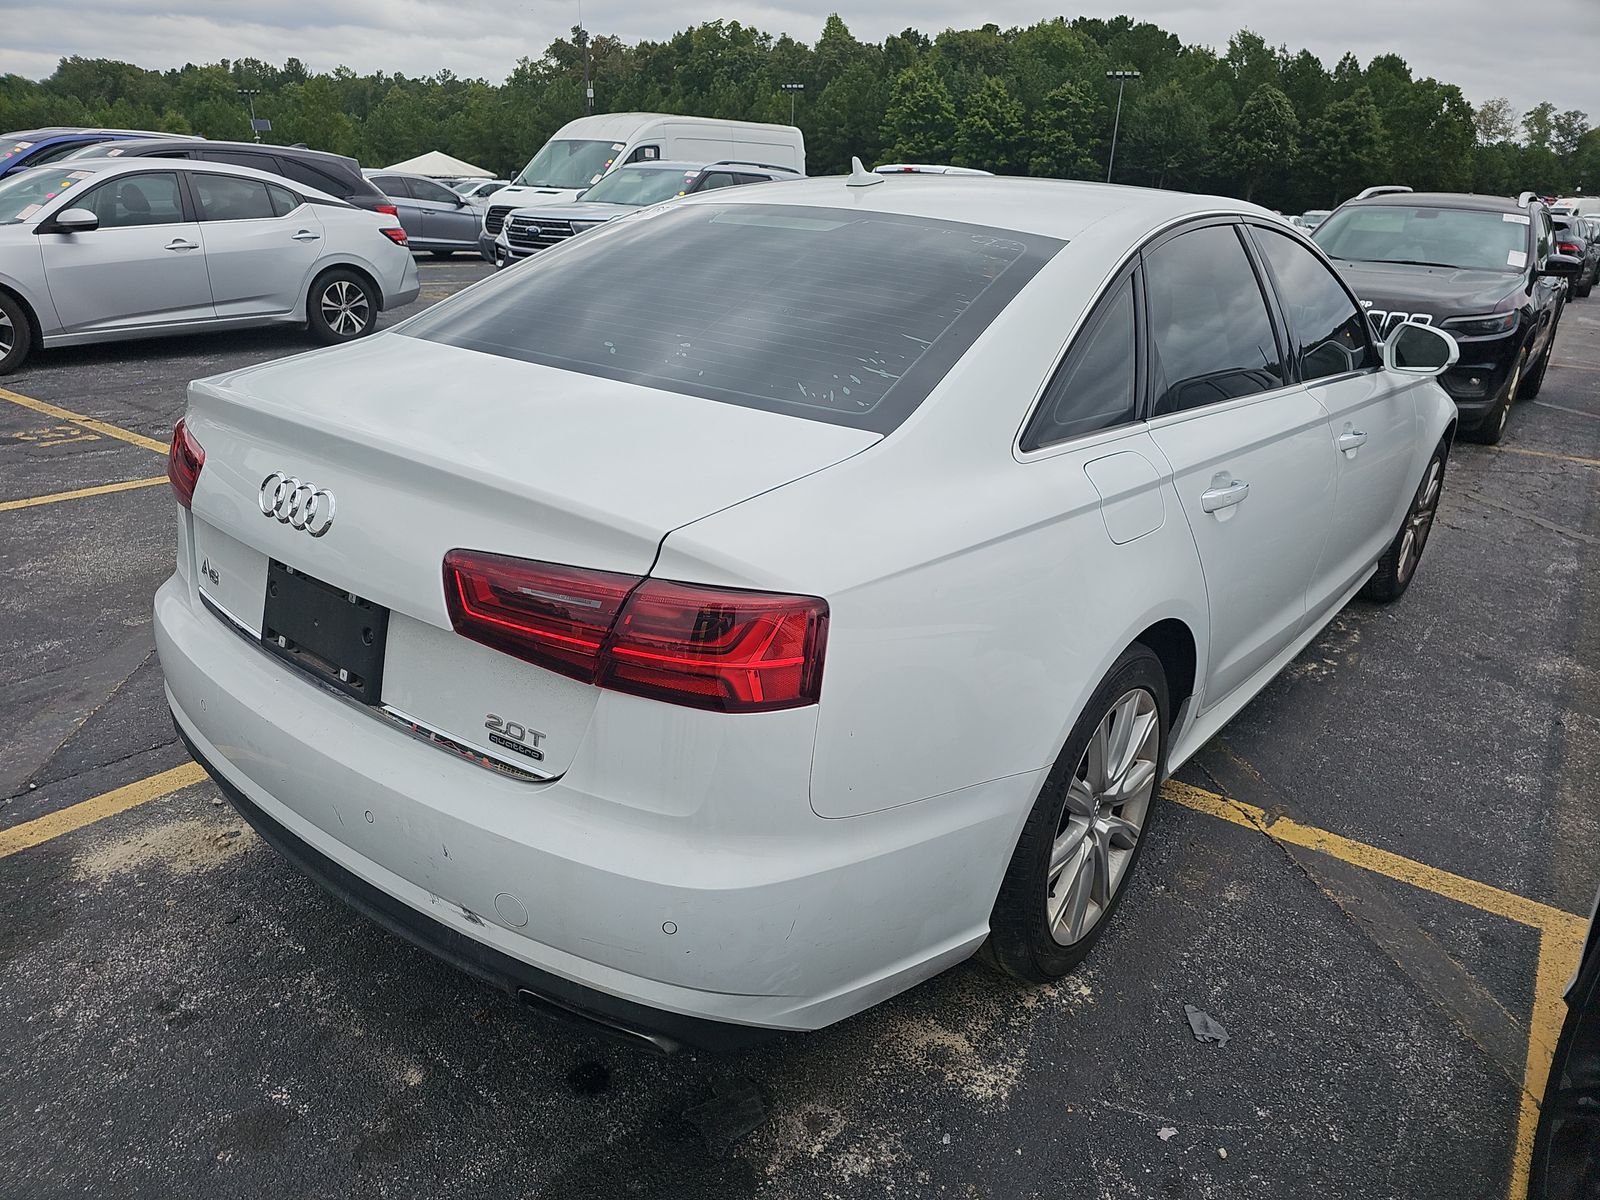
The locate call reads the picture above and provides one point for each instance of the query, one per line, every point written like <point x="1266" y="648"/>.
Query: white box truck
<point x="583" y="150"/>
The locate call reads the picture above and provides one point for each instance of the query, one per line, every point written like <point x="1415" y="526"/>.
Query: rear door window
<point x="1094" y="387"/>
<point x="866" y="315"/>
<point x="230" y="198"/>
<point x="394" y="186"/>
<point x="284" y="201"/>
<point x="1210" y="330"/>
<point x="426" y="189"/>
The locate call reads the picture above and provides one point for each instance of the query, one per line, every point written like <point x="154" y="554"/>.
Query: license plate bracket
<point x="331" y="634"/>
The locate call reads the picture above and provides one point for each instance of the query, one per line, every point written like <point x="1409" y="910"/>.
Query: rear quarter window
<point x="840" y="316"/>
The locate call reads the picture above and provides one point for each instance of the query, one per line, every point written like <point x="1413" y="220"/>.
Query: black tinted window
<point x="243" y="158"/>
<point x="424" y="189"/>
<point x="230" y="198"/>
<point x="283" y="200"/>
<point x="717" y="179"/>
<point x="1209" y="326"/>
<point x="392" y="185"/>
<point x="298" y="171"/>
<point x="841" y="316"/>
<point x="1329" y="330"/>
<point x="150" y="199"/>
<point x="1094" y="387"/>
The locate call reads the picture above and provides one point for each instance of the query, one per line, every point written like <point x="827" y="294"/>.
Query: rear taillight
<point x="397" y="236"/>
<point x="184" y="460"/>
<point x="390" y="209"/>
<point x="719" y="648"/>
<point x="1569" y="248"/>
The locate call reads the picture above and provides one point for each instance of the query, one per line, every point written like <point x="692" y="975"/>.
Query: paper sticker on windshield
<point x="112" y="153"/>
<point x="1517" y="259"/>
<point x="81" y="175"/>
<point x="619" y="145"/>
<point x="22" y="146"/>
<point x="27" y="212"/>
<point x="1518" y="218"/>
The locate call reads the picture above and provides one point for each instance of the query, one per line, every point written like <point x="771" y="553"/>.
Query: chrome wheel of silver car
<point x="8" y="335"/>
<point x="345" y="308"/>
<point x="1419" y="521"/>
<point x="1107" y="803"/>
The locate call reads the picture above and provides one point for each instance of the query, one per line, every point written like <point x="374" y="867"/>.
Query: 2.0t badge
<point x="297" y="504"/>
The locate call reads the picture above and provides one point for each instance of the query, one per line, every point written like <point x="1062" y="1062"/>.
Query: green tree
<point x="847" y="120"/>
<point x="1165" y="135"/>
<point x="920" y="122"/>
<point x="1064" y="134"/>
<point x="1345" y="148"/>
<point x="1263" y="139"/>
<point x="1538" y="125"/>
<point x="1496" y="121"/>
<point x="990" y="134"/>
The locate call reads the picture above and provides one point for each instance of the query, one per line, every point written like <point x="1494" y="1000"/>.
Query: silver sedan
<point x="109" y="249"/>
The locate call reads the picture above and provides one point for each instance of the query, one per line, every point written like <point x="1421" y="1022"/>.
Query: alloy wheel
<point x="1106" y="806"/>
<point x="345" y="308"/>
<point x="8" y="335"/>
<point x="1419" y="521"/>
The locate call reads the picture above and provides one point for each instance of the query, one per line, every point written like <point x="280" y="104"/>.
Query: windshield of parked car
<point x="639" y="186"/>
<point x="866" y="315"/>
<point x="26" y="192"/>
<point x="1465" y="238"/>
<point x="569" y="164"/>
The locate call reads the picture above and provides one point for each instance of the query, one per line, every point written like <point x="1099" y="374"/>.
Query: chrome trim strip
<point x="402" y="721"/>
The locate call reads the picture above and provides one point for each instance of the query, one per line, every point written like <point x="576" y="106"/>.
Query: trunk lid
<point x="425" y="448"/>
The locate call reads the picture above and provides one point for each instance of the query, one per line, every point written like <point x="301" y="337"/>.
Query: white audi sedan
<point x="106" y="249"/>
<point x="753" y="608"/>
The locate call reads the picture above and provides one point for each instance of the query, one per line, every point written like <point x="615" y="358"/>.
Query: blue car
<point x="34" y="147"/>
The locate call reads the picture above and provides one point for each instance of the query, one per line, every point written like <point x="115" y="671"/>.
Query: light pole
<point x="583" y="38"/>
<point x="794" y="89"/>
<point x="250" y="94"/>
<point x="1122" y="78"/>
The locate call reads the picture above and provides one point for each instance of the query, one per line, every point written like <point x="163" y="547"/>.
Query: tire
<point x="1489" y="430"/>
<point x="16" y="334"/>
<point x="1581" y="290"/>
<point x="1033" y="934"/>
<point x="441" y="253"/>
<point x="1398" y="566"/>
<point x="341" y="307"/>
<point x="1535" y="380"/>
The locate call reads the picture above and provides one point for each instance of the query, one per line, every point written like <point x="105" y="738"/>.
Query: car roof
<point x="172" y="139"/>
<point x="126" y="166"/>
<point x="1440" y="200"/>
<point x="1055" y="208"/>
<point x="675" y="164"/>
<point x="56" y="131"/>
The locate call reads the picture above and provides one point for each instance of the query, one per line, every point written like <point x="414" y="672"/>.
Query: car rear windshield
<point x="839" y="316"/>
<point x="1464" y="238"/>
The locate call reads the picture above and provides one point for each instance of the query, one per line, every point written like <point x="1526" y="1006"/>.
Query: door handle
<point x="305" y="235"/>
<point x="1351" y="440"/>
<point x="180" y="244"/>
<point x="1224" y="497"/>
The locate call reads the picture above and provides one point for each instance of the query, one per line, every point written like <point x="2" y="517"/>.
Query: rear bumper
<point x="612" y="1016"/>
<point x="717" y="910"/>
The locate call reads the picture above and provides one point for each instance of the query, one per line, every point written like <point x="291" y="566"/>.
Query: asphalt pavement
<point x="1369" y="880"/>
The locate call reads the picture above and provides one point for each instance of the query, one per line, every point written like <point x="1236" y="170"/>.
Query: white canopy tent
<point x="437" y="165"/>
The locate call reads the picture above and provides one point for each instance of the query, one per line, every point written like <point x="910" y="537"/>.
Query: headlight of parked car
<point x="1482" y="326"/>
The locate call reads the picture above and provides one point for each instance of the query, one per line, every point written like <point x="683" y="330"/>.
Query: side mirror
<point x="1421" y="350"/>
<point x="72" y="220"/>
<point x="1561" y="266"/>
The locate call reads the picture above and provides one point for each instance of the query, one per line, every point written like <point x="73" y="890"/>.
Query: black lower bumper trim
<point x="623" y="1020"/>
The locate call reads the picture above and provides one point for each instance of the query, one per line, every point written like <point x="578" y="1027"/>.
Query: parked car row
<point x="102" y="249"/>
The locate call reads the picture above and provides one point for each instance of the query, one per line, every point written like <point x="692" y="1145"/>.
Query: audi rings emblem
<point x="297" y="504"/>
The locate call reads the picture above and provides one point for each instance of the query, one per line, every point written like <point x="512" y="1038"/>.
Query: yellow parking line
<point x="1558" y="959"/>
<point x="83" y="422"/>
<point x="1571" y="458"/>
<point x="1543" y="917"/>
<point x="103" y="490"/>
<point x="107" y="804"/>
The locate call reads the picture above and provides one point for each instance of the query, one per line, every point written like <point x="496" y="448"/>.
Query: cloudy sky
<point x="1528" y="52"/>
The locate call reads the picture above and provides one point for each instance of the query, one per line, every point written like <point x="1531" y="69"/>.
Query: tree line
<point x="1254" y="121"/>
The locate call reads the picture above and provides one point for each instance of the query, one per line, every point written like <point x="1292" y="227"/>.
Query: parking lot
<point x="1372" y="880"/>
